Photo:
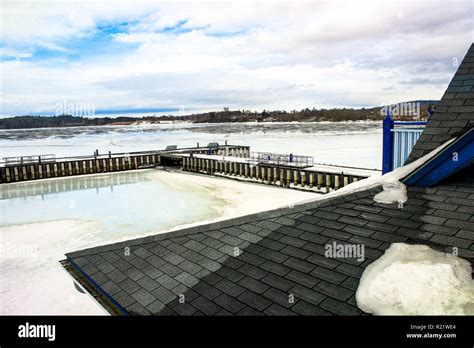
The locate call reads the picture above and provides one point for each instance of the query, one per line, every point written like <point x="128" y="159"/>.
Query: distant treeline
<point x="60" y="121"/>
<point x="224" y="116"/>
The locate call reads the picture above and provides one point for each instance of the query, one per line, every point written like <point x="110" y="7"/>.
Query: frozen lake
<point x="124" y="203"/>
<point x="342" y="143"/>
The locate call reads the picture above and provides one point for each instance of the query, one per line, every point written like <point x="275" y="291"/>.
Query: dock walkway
<point x="21" y="169"/>
<point x="226" y="160"/>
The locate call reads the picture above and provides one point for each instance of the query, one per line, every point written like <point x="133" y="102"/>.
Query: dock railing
<point x="19" y="160"/>
<point x="399" y="138"/>
<point x="49" y="158"/>
<point x="283" y="159"/>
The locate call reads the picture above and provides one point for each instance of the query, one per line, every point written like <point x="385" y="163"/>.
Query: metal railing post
<point x="387" y="150"/>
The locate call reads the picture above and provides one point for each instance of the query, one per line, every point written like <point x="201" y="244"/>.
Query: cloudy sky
<point x="184" y="57"/>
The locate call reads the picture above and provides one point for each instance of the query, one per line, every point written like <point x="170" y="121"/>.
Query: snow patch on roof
<point x="416" y="280"/>
<point x="393" y="192"/>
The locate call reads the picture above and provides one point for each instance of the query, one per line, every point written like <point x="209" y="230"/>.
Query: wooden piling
<point x="336" y="182"/>
<point x="320" y="180"/>
<point x="328" y="182"/>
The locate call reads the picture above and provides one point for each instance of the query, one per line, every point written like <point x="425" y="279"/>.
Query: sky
<point x="117" y="57"/>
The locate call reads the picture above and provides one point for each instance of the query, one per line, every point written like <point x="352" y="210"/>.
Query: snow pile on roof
<point x="393" y="192"/>
<point x="416" y="280"/>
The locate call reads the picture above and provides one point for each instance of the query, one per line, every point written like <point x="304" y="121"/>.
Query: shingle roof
<point x="453" y="114"/>
<point x="258" y="264"/>
<point x="281" y="254"/>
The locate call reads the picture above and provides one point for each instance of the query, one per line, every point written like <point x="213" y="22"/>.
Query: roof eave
<point x="458" y="155"/>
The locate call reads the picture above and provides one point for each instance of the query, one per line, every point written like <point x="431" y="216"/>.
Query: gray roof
<point x="453" y="114"/>
<point x="282" y="252"/>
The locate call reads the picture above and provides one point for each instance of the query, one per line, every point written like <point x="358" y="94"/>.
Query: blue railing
<point x="399" y="138"/>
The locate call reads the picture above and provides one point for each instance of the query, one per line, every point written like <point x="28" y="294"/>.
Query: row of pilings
<point x="270" y="174"/>
<point x="34" y="171"/>
<point x="83" y="165"/>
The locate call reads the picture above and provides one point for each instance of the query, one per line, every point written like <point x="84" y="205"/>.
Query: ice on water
<point x="343" y="143"/>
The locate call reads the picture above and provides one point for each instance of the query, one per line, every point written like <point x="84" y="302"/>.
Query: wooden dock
<point x="233" y="161"/>
<point x="35" y="167"/>
<point x="316" y="176"/>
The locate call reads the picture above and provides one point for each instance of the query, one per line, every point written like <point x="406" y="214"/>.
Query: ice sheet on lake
<point x="343" y="143"/>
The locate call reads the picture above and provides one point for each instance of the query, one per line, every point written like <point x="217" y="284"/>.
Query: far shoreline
<point x="146" y="123"/>
<point x="419" y="110"/>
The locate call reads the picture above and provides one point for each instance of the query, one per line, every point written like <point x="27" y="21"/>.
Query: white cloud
<point x="246" y="55"/>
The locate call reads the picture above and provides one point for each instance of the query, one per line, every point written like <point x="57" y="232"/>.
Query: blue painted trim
<point x="442" y="165"/>
<point x="445" y="170"/>
<point x="387" y="144"/>
<point x="89" y="279"/>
